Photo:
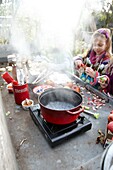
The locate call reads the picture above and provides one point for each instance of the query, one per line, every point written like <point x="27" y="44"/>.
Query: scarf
<point x="93" y="57"/>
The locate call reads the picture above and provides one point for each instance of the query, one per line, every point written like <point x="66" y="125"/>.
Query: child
<point x="95" y="61"/>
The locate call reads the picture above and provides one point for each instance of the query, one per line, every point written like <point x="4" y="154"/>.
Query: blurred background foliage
<point x="104" y="18"/>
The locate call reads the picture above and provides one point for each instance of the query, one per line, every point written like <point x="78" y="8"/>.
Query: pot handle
<point x="76" y="112"/>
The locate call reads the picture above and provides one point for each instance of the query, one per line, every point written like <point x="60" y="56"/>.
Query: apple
<point x="76" y="88"/>
<point x="110" y="117"/>
<point x="103" y="79"/>
<point x="110" y="126"/>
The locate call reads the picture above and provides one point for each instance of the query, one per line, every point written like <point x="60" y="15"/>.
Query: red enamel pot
<point x="60" y="105"/>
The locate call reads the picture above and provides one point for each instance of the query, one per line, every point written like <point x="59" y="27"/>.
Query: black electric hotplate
<point x="56" y="134"/>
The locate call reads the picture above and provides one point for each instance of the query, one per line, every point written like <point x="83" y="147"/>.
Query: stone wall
<point x="7" y="156"/>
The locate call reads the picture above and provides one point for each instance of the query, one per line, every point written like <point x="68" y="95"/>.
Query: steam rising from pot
<point x="51" y="23"/>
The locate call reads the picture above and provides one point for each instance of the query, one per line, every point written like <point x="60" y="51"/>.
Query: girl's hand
<point x="78" y="64"/>
<point x="104" y="81"/>
<point x="89" y="71"/>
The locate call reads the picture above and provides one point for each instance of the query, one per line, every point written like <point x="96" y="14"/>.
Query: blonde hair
<point x="104" y="33"/>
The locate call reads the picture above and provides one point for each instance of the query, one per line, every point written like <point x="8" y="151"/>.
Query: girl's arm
<point x="79" y="60"/>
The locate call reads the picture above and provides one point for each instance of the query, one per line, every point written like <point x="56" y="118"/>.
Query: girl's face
<point x="99" y="45"/>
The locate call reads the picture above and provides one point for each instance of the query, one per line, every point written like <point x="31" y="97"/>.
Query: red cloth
<point x="93" y="57"/>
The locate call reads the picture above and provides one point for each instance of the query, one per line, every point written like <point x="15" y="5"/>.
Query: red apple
<point x="76" y="88"/>
<point x="110" y="126"/>
<point x="110" y="117"/>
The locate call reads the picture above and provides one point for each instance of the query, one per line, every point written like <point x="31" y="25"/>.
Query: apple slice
<point x="110" y="126"/>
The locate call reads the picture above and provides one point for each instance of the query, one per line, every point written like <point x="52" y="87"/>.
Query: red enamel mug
<point x="21" y="92"/>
